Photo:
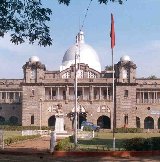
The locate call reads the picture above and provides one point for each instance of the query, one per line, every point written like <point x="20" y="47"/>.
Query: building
<point x="33" y="100"/>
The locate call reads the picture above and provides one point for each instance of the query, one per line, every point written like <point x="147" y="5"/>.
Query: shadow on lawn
<point x="102" y="142"/>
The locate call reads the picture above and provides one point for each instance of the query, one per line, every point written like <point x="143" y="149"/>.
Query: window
<point x="11" y="95"/>
<point x="91" y="75"/>
<point x="33" y="92"/>
<point x="79" y="93"/>
<point x="32" y="119"/>
<point x="3" y="95"/>
<point x="126" y="93"/>
<point x="33" y="74"/>
<point x="105" y="94"/>
<point x="126" y="119"/>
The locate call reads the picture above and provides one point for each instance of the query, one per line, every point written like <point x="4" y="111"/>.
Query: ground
<point x="37" y="150"/>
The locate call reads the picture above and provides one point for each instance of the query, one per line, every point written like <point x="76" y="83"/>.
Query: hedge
<point x="129" y="130"/>
<point x="10" y="140"/>
<point x="20" y="128"/>
<point x="142" y="144"/>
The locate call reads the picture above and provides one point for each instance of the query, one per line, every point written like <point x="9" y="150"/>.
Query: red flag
<point x="112" y="33"/>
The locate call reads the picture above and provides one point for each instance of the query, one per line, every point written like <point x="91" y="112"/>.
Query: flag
<point x="112" y="33"/>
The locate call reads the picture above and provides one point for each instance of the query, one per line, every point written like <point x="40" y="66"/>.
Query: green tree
<point x="27" y="20"/>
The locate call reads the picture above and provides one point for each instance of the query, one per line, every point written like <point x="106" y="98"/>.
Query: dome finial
<point x="80" y="37"/>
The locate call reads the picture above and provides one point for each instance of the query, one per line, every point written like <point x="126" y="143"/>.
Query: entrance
<point x="104" y="122"/>
<point x="148" y="123"/>
<point x="52" y="121"/>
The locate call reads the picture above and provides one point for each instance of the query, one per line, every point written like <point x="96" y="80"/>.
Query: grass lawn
<point x="103" y="140"/>
<point x="8" y="134"/>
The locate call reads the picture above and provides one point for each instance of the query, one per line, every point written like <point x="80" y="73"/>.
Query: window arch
<point x="2" y="120"/>
<point x="13" y="120"/>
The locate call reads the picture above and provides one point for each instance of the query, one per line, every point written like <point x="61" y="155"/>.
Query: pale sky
<point x="137" y="28"/>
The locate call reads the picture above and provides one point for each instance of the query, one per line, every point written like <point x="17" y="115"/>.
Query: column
<point x="140" y="97"/>
<point x="100" y="97"/>
<point x="58" y="93"/>
<point x="107" y="94"/>
<point x="154" y="96"/>
<point x="148" y="98"/>
<point x="14" y="96"/>
<point x="91" y="92"/>
<point x="51" y="97"/>
<point x="67" y="92"/>
<point x="143" y="98"/>
<point x="83" y="93"/>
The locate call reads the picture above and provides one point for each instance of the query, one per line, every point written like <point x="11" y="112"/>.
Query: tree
<point x="152" y="77"/>
<point x="26" y="20"/>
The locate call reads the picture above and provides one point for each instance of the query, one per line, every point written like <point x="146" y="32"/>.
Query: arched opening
<point x="13" y="120"/>
<point x="138" y="122"/>
<point x="2" y="120"/>
<point x="52" y="121"/>
<point x="81" y="118"/>
<point x="104" y="122"/>
<point x="159" y="123"/>
<point x="148" y="123"/>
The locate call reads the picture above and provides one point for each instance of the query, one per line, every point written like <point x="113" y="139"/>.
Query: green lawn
<point x="103" y="140"/>
<point x="11" y="134"/>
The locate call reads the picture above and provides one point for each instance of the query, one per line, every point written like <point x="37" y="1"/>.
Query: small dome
<point x="125" y="58"/>
<point x="87" y="54"/>
<point x="33" y="59"/>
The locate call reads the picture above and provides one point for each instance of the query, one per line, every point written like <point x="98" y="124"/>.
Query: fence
<point x="35" y="132"/>
<point x="1" y="139"/>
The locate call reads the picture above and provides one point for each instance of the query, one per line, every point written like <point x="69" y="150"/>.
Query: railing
<point x="81" y="98"/>
<point x="35" y="132"/>
<point x="10" y="100"/>
<point x="147" y="101"/>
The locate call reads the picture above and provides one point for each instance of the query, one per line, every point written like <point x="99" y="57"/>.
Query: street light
<point x="40" y="116"/>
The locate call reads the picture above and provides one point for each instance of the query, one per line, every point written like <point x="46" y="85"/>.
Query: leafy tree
<point x="108" y="67"/>
<point x="152" y="77"/>
<point x="26" y="19"/>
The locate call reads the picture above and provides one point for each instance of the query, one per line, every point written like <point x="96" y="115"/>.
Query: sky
<point x="137" y="29"/>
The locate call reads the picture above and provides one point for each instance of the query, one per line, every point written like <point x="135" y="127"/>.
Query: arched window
<point x="148" y="123"/>
<point x="159" y="123"/>
<point x="13" y="120"/>
<point x="2" y="120"/>
<point x="104" y="122"/>
<point x="52" y="121"/>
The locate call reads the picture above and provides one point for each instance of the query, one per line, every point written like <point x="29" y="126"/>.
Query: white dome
<point x="87" y="55"/>
<point x="125" y="58"/>
<point x="33" y="59"/>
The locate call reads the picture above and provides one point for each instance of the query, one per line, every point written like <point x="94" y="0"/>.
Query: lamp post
<point x="40" y="116"/>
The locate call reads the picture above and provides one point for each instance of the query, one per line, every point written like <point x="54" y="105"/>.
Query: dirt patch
<point x="41" y="144"/>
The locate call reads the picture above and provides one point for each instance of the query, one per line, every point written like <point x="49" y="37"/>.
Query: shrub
<point x="155" y="143"/>
<point x="128" y="130"/>
<point x="136" y="144"/>
<point x="87" y="128"/>
<point x="63" y="144"/>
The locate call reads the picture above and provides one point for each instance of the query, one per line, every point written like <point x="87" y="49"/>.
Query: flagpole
<point x="75" y="91"/>
<point x="113" y="110"/>
<point x="112" y="35"/>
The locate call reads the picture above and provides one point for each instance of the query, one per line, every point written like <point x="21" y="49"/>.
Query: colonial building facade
<point x="33" y="100"/>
